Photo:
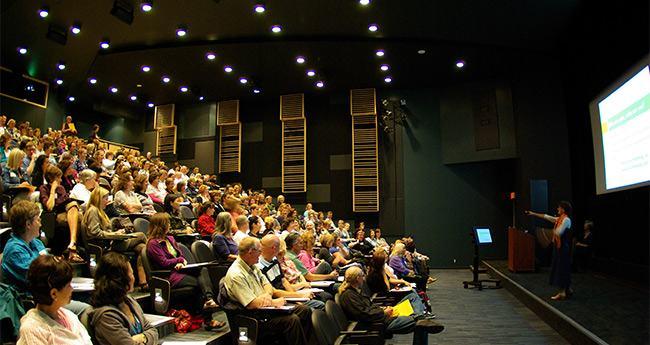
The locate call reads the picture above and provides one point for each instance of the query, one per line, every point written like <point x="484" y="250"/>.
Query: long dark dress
<point x="561" y="264"/>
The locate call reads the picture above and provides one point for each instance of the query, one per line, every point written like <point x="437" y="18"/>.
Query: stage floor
<point x="616" y="312"/>
<point x="480" y="317"/>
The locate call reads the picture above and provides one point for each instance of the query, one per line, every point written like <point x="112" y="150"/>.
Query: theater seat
<point x="161" y="293"/>
<point x="327" y="333"/>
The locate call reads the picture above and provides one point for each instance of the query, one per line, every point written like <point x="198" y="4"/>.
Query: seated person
<point x="13" y="175"/>
<point x="361" y="244"/>
<point x="49" y="281"/>
<point x="68" y="128"/>
<point x="141" y="183"/>
<point x="117" y="317"/>
<point x="154" y="191"/>
<point x="223" y="245"/>
<point x="307" y="258"/>
<point x="173" y="208"/>
<point x="97" y="226"/>
<point x="247" y="286"/>
<point x="398" y="263"/>
<point x="371" y="238"/>
<point x="163" y="253"/>
<point x="205" y="224"/>
<point x="81" y="191"/>
<point x="294" y="245"/>
<point x="54" y="198"/>
<point x="329" y="252"/>
<point x="270" y="266"/>
<point x="242" y="228"/>
<point x="358" y="306"/>
<point x="583" y="247"/>
<point x="126" y="201"/>
<point x="255" y="227"/>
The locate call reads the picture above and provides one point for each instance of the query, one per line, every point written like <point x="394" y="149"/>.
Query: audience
<point x="206" y="222"/>
<point x="223" y="245"/>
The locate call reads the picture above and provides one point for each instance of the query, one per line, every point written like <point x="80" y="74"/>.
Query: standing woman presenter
<point x="561" y="266"/>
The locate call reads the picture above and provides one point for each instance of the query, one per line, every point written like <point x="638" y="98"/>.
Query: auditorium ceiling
<point x="422" y="42"/>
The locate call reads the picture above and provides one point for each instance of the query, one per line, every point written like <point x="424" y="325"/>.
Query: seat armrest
<point x="160" y="294"/>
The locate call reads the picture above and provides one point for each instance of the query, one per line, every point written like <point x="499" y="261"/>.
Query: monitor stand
<point x="478" y="283"/>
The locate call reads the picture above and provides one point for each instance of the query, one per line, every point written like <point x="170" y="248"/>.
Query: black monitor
<point x="482" y="235"/>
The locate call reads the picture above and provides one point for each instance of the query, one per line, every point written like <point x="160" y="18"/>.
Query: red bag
<point x="184" y="322"/>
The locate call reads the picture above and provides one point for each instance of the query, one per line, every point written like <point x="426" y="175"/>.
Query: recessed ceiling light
<point x="181" y="31"/>
<point x="146" y="6"/>
<point x="58" y="81"/>
<point x="300" y="59"/>
<point x="92" y="81"/>
<point x="384" y="67"/>
<point x="166" y="79"/>
<point x="138" y="85"/>
<point x="460" y="63"/>
<point x="183" y="89"/>
<point x="422" y="51"/>
<point x="380" y="52"/>
<point x="146" y="68"/>
<point x="388" y="79"/>
<point x="134" y="97"/>
<point x="259" y="7"/>
<point x="201" y="98"/>
<point x="61" y="65"/>
<point x="364" y="2"/>
<point x="150" y="105"/>
<point x="75" y="28"/>
<point x="276" y="29"/>
<point x="320" y="84"/>
<point x="373" y="27"/>
<point x="44" y="12"/>
<point x="243" y="80"/>
<point x="256" y="91"/>
<point x="105" y="44"/>
<point x="210" y="56"/>
<point x="71" y="98"/>
<point x="113" y="89"/>
<point x="311" y="73"/>
<point x="22" y="50"/>
<point x="227" y="69"/>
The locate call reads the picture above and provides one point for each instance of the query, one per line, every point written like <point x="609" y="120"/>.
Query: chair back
<point x="186" y="213"/>
<point x="324" y="329"/>
<point x="336" y="314"/>
<point x="187" y="254"/>
<point x="202" y="251"/>
<point x="141" y="225"/>
<point x="146" y="264"/>
<point x="158" y="208"/>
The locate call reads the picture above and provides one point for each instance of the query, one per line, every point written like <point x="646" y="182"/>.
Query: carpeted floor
<point x="613" y="310"/>
<point x="480" y="317"/>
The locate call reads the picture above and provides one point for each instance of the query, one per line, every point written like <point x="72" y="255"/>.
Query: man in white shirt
<point x="242" y="229"/>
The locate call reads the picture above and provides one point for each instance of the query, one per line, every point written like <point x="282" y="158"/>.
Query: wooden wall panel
<point x="163" y="116"/>
<point x="227" y="112"/>
<point x="166" y="140"/>
<point x="292" y="106"/>
<point x="365" y="166"/>
<point x="230" y="148"/>
<point x="294" y="156"/>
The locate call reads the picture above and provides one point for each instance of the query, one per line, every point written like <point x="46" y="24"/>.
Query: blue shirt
<point x="17" y="257"/>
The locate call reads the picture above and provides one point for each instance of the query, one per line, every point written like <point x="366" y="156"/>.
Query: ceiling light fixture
<point x="22" y="50"/>
<point x="201" y="98"/>
<point x="150" y="105"/>
<point x="146" y="68"/>
<point x="183" y="89"/>
<point x="58" y="81"/>
<point x="71" y="98"/>
<point x="227" y="69"/>
<point x="259" y="7"/>
<point x="256" y="90"/>
<point x="134" y="97"/>
<point x="320" y="84"/>
<point x="373" y="27"/>
<point x="181" y="31"/>
<point x="460" y="63"/>
<point x="384" y="67"/>
<point x="61" y="65"/>
<point x="243" y="80"/>
<point x="422" y="51"/>
<point x="76" y="28"/>
<point x="311" y="73"/>
<point x="166" y="79"/>
<point x="300" y="59"/>
<point x="388" y="79"/>
<point x="210" y="56"/>
<point x="276" y="29"/>
<point x="146" y="6"/>
<point x="92" y="81"/>
<point x="380" y="52"/>
<point x="44" y="12"/>
<point x="113" y="89"/>
<point x="105" y="44"/>
<point x="364" y="2"/>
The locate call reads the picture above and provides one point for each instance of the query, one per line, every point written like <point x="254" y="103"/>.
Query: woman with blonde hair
<point x="223" y="245"/>
<point x="306" y="256"/>
<point x="330" y="252"/>
<point x="12" y="175"/>
<point x="98" y="225"/>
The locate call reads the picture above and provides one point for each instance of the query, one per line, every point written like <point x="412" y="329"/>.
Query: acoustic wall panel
<point x="166" y="140"/>
<point x="294" y="156"/>
<point x="365" y="166"/>
<point x="363" y="102"/>
<point x="163" y="116"/>
<point x="292" y="106"/>
<point x="230" y="148"/>
<point x="227" y="112"/>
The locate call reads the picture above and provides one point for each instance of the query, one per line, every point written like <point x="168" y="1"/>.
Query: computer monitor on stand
<point x="481" y="236"/>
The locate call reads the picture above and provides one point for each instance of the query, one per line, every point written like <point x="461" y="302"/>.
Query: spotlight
<point x="460" y="63"/>
<point x="150" y="105"/>
<point x="380" y="52"/>
<point x="243" y="80"/>
<point x="210" y="56"/>
<point x="58" y="81"/>
<point x="75" y="28"/>
<point x="146" y="68"/>
<point x="256" y="90"/>
<point x="105" y="44"/>
<point x="44" y="12"/>
<point x="71" y="98"/>
<point x="227" y="69"/>
<point x="181" y="31"/>
<point x="320" y="84"/>
<point x="373" y="27"/>
<point x="61" y="65"/>
<point x="259" y="7"/>
<point x="311" y="73"/>
<point x="388" y="79"/>
<point x="276" y="29"/>
<point x="166" y="79"/>
<point x="22" y="50"/>
<point x="300" y="59"/>
<point x="113" y="89"/>
<point x="183" y="89"/>
<point x="384" y="67"/>
<point x="92" y="81"/>
<point x="146" y="6"/>
<point x="364" y="2"/>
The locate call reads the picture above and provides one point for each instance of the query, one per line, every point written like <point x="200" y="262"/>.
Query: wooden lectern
<point x="521" y="251"/>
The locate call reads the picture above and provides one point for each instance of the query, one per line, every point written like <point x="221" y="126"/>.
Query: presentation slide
<point x="623" y="150"/>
